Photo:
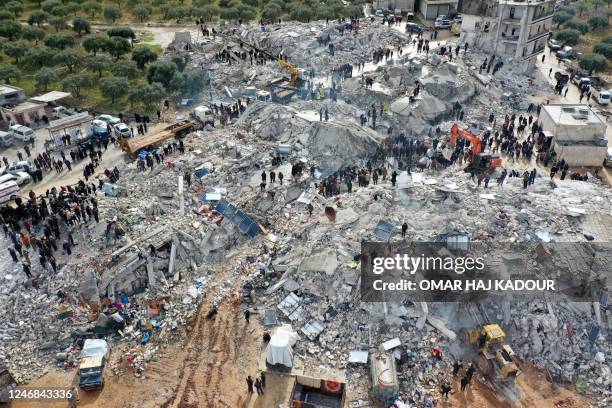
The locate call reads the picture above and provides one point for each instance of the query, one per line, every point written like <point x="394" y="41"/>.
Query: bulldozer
<point x="479" y="162"/>
<point x="493" y="352"/>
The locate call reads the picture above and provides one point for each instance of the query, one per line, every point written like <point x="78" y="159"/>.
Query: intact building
<point x="579" y="135"/>
<point x="406" y="6"/>
<point x="430" y="9"/>
<point x="511" y="29"/>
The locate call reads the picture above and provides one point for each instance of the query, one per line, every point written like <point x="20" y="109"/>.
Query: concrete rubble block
<point x="320" y="261"/>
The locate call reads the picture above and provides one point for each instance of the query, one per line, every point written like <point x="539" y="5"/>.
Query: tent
<point x="280" y="348"/>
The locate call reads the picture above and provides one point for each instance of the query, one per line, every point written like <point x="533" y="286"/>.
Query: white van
<point x="6" y="139"/>
<point x="22" y="133"/>
<point x="9" y="191"/>
<point x="602" y="97"/>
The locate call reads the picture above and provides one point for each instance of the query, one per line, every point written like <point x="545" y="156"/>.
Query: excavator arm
<point x="294" y="71"/>
<point x="457" y="132"/>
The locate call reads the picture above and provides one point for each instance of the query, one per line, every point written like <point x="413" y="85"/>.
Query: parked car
<point x="99" y="129"/>
<point x="108" y="119"/>
<point x="19" y="177"/>
<point x="414" y="28"/>
<point x="122" y="129"/>
<point x="20" y="132"/>
<point x="566" y="52"/>
<point x="442" y="24"/>
<point x="6" y="139"/>
<point x="554" y="44"/>
<point x="581" y="82"/>
<point x="602" y="97"/>
<point x="22" y="166"/>
<point x="379" y="13"/>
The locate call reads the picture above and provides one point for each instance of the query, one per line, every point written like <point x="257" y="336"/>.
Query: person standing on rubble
<point x="404" y="229"/>
<point x="310" y="209"/>
<point x="280" y="178"/>
<point x="258" y="387"/>
<point x="321" y="115"/>
<point x="13" y="254"/>
<point x="247" y="315"/>
<point x="263" y="176"/>
<point x="326" y="114"/>
<point x="249" y="382"/>
<point x="446" y="388"/>
<point x="272" y="177"/>
<point x="393" y="178"/>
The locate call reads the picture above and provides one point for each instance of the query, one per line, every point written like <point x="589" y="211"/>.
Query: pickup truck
<point x="92" y="361"/>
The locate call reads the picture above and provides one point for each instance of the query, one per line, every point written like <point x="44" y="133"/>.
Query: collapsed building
<point x="165" y="246"/>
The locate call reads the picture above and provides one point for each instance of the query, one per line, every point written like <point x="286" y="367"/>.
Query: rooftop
<point x="6" y="89"/>
<point x="25" y="107"/>
<point x="573" y="115"/>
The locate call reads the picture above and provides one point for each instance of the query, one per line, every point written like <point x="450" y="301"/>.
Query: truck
<point x="9" y="191"/>
<point x="92" y="361"/>
<point x="133" y="146"/>
<point x="203" y="114"/>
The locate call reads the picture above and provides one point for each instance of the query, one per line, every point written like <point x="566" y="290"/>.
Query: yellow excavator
<point x="493" y="351"/>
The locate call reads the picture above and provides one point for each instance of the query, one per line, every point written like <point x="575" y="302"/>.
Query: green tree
<point x="8" y="72"/>
<point x="32" y="33"/>
<point x="302" y="13"/>
<point x="593" y="63"/>
<point x="6" y="15"/>
<point x="72" y="7"/>
<point x="230" y="13"/>
<point x="118" y="46"/>
<point x="208" y="12"/>
<point x="598" y="22"/>
<point x="149" y="95"/>
<point x="59" y="23"/>
<point x="561" y="17"/>
<point x="142" y="12"/>
<point x="177" y="83"/>
<point x="16" y="49"/>
<point x="10" y="29"/>
<point x="180" y="59"/>
<point x="60" y="11"/>
<point x="165" y="10"/>
<point x="582" y="6"/>
<point x="59" y="41"/>
<point x="114" y="87"/>
<point x="604" y="49"/>
<point x="178" y="13"/>
<point x="353" y="10"/>
<point x="80" y="25"/>
<point x="162" y="72"/>
<point x="194" y="82"/>
<point x="577" y="25"/>
<point x="95" y="43"/>
<point x="98" y="64"/>
<point x="71" y="58"/>
<point x="568" y="37"/>
<point x="49" y="5"/>
<point x="75" y="83"/>
<point x="44" y="77"/>
<point x="112" y="13"/>
<point x="14" y="7"/>
<point x="125" y="68"/>
<point x="143" y="55"/>
<point x="93" y="7"/>
<point x="271" y="12"/>
<point x="37" y="17"/>
<point x="599" y="3"/>
<point x="123" y="32"/>
<point x="40" y="55"/>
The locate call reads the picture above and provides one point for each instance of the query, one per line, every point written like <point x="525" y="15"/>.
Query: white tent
<point x="280" y="348"/>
